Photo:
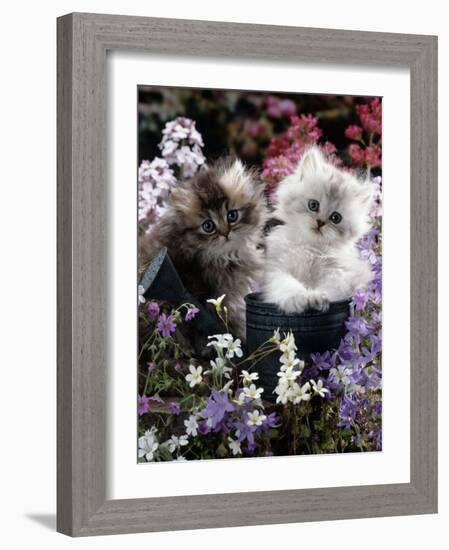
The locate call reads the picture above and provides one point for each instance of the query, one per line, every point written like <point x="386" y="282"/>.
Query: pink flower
<point x="276" y="169"/>
<point x="254" y="128"/>
<point x="304" y="128"/>
<point x="370" y="115"/>
<point x="373" y="156"/>
<point x="356" y="153"/>
<point x="287" y="107"/>
<point x="277" y="107"/>
<point x="354" y="132"/>
<point x="278" y="146"/>
<point x="166" y="325"/>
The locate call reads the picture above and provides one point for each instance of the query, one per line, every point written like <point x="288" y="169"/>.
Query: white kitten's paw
<point x="318" y="301"/>
<point x="294" y="304"/>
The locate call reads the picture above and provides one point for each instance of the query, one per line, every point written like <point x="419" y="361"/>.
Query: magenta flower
<point x="370" y="115"/>
<point x="373" y="156"/>
<point x="354" y="132"/>
<point x="153" y="309"/>
<point x="191" y="313"/>
<point x="143" y="404"/>
<point x="166" y="325"/>
<point x="356" y="153"/>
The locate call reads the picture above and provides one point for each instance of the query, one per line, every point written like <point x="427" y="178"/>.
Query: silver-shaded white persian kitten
<point x="312" y="259"/>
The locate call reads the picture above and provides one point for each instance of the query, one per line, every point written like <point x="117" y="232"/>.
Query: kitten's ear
<point x="311" y="162"/>
<point x="180" y="199"/>
<point x="366" y="194"/>
<point x="237" y="167"/>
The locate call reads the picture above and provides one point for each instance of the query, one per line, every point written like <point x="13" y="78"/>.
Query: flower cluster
<point x="284" y="152"/>
<point x="181" y="158"/>
<point x="181" y="146"/>
<point x="368" y="149"/>
<point x="155" y="180"/>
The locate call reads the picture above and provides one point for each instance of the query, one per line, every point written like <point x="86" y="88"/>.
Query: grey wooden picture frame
<point x="83" y="42"/>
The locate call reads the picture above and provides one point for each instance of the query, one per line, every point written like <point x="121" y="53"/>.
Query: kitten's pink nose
<point x="320" y="223"/>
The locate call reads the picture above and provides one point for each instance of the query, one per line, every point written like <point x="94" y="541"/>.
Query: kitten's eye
<point x="208" y="226"/>
<point x="335" y="217"/>
<point x="313" y="205"/>
<point x="233" y="216"/>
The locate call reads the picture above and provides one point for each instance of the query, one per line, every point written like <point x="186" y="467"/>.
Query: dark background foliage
<point x="235" y="121"/>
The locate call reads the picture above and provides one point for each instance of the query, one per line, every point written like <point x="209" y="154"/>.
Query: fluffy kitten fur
<point x="312" y="259"/>
<point x="224" y="260"/>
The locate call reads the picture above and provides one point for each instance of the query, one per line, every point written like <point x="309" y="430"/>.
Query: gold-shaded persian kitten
<point x="212" y="229"/>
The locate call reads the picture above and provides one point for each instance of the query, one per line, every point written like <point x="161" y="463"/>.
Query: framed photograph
<point x="247" y="274"/>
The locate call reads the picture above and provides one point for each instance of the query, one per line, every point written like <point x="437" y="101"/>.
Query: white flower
<point x="288" y="343"/>
<point x="148" y="445"/>
<point x="140" y="291"/>
<point x="222" y="341"/>
<point x="191" y="425"/>
<point x="288" y="375"/>
<point x="276" y="338"/>
<point x="299" y="393"/>
<point x="194" y="377"/>
<point x="219" y="367"/>
<point x="249" y="377"/>
<point x="289" y="360"/>
<point x="155" y="179"/>
<point x="318" y="388"/>
<point x="226" y="387"/>
<point x="234" y="347"/>
<point x="340" y="375"/>
<point x="255" y="418"/>
<point x="252" y="392"/>
<point x="181" y="458"/>
<point x="283" y="393"/>
<point x="217" y="303"/>
<point x="176" y="442"/>
<point x="235" y="447"/>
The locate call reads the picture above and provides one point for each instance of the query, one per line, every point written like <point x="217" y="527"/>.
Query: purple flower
<point x="245" y="432"/>
<point x="174" y="408"/>
<point x="191" y="313"/>
<point x="345" y="352"/>
<point x="357" y="326"/>
<point x="217" y="406"/>
<point x="322" y="361"/>
<point x="360" y="299"/>
<point x="166" y="325"/>
<point x="153" y="309"/>
<point x="203" y="427"/>
<point x="347" y="413"/>
<point x="151" y="367"/>
<point x="143" y="404"/>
